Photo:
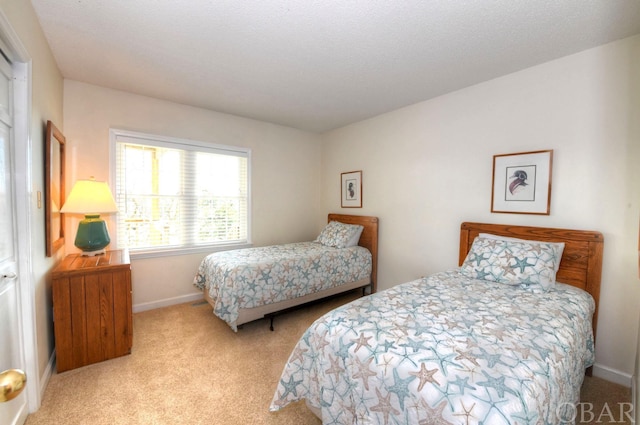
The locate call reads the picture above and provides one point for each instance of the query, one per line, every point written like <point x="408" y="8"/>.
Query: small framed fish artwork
<point x="522" y="183"/>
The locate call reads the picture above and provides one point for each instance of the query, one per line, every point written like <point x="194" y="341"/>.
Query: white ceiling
<point x="317" y="64"/>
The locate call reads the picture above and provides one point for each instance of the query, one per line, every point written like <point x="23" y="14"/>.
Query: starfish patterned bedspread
<point x="252" y="277"/>
<point x="445" y="349"/>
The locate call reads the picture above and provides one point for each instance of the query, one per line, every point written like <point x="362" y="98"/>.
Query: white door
<point x="14" y="410"/>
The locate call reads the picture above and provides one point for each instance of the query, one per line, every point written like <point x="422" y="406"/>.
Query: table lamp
<point x="91" y="198"/>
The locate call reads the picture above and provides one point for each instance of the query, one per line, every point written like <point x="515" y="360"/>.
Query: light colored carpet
<point x="188" y="367"/>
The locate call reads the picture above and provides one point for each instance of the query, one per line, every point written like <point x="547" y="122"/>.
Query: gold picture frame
<point x="54" y="190"/>
<point x="522" y="183"/>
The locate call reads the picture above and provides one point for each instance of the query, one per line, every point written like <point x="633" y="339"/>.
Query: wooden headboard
<point x="368" y="239"/>
<point x="581" y="264"/>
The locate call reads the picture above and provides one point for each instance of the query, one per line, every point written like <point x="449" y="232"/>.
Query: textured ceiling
<point x="317" y="65"/>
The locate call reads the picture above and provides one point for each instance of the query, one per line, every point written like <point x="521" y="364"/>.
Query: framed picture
<point x="54" y="154"/>
<point x="522" y="183"/>
<point x="351" y="189"/>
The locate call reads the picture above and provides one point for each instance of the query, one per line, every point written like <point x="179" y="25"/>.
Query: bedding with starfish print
<point x="254" y="277"/>
<point x="445" y="349"/>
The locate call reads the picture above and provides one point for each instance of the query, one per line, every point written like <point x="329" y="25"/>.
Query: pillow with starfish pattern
<point x="558" y="246"/>
<point x="340" y="235"/>
<point x="530" y="265"/>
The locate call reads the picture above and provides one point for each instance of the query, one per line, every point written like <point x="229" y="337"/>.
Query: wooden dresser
<point x="92" y="309"/>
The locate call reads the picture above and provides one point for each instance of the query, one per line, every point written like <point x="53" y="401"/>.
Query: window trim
<point x="186" y="144"/>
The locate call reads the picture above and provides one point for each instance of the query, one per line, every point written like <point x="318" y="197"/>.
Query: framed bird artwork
<point x="522" y="183"/>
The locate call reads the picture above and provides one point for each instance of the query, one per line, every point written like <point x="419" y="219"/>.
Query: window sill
<point x="172" y="252"/>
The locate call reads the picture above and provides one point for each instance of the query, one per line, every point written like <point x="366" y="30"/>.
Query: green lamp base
<point x="93" y="236"/>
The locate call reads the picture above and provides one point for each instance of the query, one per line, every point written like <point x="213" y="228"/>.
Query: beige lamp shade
<point x="90" y="197"/>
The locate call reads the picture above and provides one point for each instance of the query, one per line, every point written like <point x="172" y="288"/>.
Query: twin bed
<point x="250" y="284"/>
<point x="498" y="340"/>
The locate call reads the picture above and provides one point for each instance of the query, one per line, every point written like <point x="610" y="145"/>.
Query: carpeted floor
<point x="188" y="367"/>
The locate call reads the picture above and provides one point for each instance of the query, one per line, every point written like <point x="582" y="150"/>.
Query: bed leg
<point x="271" y="324"/>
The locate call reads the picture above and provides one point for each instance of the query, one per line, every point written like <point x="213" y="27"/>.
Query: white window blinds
<point x="178" y="194"/>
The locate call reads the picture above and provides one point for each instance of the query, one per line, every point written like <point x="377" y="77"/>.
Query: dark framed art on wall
<point x="351" y="189"/>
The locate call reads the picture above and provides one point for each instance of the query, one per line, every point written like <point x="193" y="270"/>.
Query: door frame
<point x="22" y="159"/>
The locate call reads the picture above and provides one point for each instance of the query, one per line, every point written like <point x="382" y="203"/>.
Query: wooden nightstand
<point x="92" y="309"/>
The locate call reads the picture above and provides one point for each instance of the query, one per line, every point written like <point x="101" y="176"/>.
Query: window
<point x="177" y="194"/>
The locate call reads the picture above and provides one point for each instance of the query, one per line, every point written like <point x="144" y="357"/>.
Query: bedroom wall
<point x="428" y="167"/>
<point x="285" y="174"/>
<point x="46" y="104"/>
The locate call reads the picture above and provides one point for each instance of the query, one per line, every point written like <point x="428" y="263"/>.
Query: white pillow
<point x="355" y="239"/>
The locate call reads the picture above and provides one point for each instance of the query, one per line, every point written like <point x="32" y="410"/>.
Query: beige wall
<point x="46" y="103"/>
<point x="285" y="173"/>
<point x="427" y="168"/>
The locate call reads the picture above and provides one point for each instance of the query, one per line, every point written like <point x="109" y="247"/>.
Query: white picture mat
<point x="532" y="197"/>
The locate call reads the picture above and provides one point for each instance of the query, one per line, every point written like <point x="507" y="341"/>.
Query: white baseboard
<point x="634" y="396"/>
<point x="44" y="380"/>
<point x="167" y="302"/>
<point x="48" y="371"/>
<point x="612" y="375"/>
